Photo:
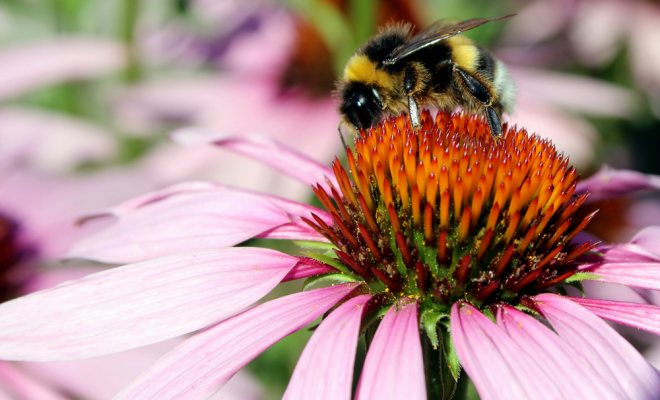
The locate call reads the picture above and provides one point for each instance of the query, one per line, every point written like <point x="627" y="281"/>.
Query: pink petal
<point x="649" y="239"/>
<point x="570" y="134"/>
<point x="35" y="65"/>
<point x="640" y="316"/>
<point x="206" y="361"/>
<point x="394" y="367"/>
<point x="26" y="142"/>
<point x="574" y="378"/>
<point x="307" y="267"/>
<point x="490" y="357"/>
<point x="261" y="148"/>
<point x="53" y="277"/>
<point x="137" y="304"/>
<point x="52" y="226"/>
<point x="609" y="182"/>
<point x="603" y="17"/>
<point x="23" y="386"/>
<point x="601" y="346"/>
<point x="325" y="368"/>
<point x="644" y="36"/>
<point x="178" y="220"/>
<point x="101" y="378"/>
<point x="265" y="52"/>
<point x="296" y="230"/>
<point x="627" y="253"/>
<point x="538" y="21"/>
<point x="640" y="274"/>
<point x="575" y="92"/>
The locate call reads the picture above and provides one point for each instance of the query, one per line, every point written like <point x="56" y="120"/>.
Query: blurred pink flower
<point x="184" y="275"/>
<point x="63" y="146"/>
<point x="38" y="209"/>
<point x="32" y="66"/>
<point x="547" y="102"/>
<point x="593" y="31"/>
<point x="239" y="95"/>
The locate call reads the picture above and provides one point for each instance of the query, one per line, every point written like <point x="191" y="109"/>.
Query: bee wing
<point x="437" y="32"/>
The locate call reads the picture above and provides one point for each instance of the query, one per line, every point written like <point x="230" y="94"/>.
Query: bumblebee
<point x="395" y="72"/>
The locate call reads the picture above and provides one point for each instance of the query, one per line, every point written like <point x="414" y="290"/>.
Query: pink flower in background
<point x="68" y="140"/>
<point x="446" y="245"/>
<point x="226" y="96"/>
<point x="549" y="101"/>
<point x="593" y="33"/>
<point x="38" y="209"/>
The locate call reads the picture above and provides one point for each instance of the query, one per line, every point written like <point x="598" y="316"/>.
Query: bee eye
<point x="361" y="104"/>
<point x="376" y="94"/>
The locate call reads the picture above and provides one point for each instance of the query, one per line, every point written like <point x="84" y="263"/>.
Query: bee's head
<point x="361" y="104"/>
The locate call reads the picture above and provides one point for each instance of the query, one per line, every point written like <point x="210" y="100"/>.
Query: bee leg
<point x="481" y="93"/>
<point x="415" y="78"/>
<point x="494" y="122"/>
<point x="413" y="111"/>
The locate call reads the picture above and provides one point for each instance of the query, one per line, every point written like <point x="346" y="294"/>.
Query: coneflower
<point x="447" y="249"/>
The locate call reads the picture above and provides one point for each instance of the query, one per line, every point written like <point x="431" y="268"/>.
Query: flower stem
<point x="439" y="381"/>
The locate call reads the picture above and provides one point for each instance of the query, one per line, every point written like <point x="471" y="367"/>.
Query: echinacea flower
<point x="444" y="247"/>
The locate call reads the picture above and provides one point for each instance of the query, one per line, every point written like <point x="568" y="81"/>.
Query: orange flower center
<point x="449" y="213"/>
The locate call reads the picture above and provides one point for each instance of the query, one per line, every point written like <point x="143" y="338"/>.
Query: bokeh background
<point x="91" y="90"/>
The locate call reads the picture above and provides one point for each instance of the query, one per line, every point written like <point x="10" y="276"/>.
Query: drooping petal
<point x="490" y="357"/>
<point x="573" y="377"/>
<point x="137" y="304"/>
<point x="325" y="368"/>
<point x="641" y="316"/>
<point x="394" y="367"/>
<point x="295" y="230"/>
<point x="22" y="386"/>
<point x="264" y="149"/>
<point x="643" y="275"/>
<point x="191" y="217"/>
<point x="307" y="267"/>
<point x="649" y="239"/>
<point x="628" y="253"/>
<point x="601" y="346"/>
<point x="206" y="361"/>
<point x="609" y="182"/>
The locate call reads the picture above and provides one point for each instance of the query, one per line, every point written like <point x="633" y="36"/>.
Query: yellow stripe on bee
<point x="463" y="52"/>
<point x="361" y="68"/>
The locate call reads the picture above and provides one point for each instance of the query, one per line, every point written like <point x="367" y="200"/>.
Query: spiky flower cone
<point x="448" y="213"/>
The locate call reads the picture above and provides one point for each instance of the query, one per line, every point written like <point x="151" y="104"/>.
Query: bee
<point x="395" y="72"/>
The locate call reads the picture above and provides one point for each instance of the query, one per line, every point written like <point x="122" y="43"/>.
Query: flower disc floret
<point x="448" y="213"/>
